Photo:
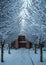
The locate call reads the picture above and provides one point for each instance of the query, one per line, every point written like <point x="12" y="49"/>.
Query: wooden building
<point x="22" y="42"/>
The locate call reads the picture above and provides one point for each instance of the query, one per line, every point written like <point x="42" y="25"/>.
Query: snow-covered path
<point x="23" y="56"/>
<point x="17" y="57"/>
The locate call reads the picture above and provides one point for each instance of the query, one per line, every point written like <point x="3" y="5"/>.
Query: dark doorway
<point x="22" y="45"/>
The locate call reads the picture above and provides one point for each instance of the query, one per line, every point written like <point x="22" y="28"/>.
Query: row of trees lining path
<point x="41" y="52"/>
<point x="2" y="50"/>
<point x="9" y="46"/>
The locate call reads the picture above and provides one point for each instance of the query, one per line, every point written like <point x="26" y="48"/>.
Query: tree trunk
<point x="35" y="49"/>
<point x="9" y="48"/>
<point x="2" y="52"/>
<point x="41" y="56"/>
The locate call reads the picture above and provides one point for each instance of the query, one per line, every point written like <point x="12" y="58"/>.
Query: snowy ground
<point x="23" y="57"/>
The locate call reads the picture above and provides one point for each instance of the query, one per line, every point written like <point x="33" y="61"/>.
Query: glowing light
<point x="24" y="14"/>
